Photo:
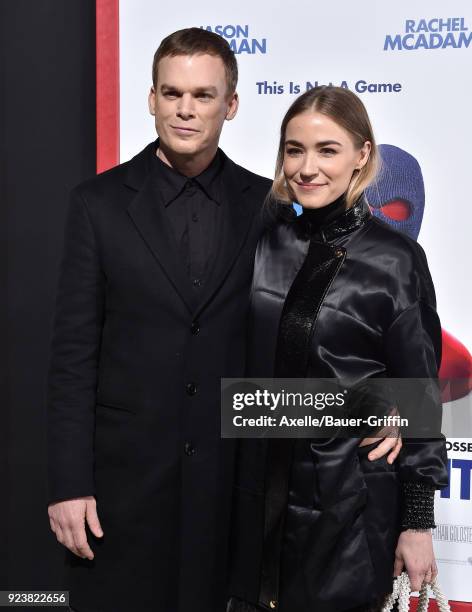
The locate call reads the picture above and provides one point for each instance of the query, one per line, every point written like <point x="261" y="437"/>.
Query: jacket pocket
<point x="377" y="466"/>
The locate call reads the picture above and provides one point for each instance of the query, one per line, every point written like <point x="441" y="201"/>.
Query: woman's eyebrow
<point x="321" y="143"/>
<point x="324" y="143"/>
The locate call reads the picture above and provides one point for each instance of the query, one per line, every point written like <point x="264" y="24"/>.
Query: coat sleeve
<point x="413" y="350"/>
<point x="72" y="379"/>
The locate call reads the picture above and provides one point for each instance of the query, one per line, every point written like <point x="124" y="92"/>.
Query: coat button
<point x="189" y="449"/>
<point x="195" y="328"/>
<point x="338" y="252"/>
<point x="272" y="604"/>
<point x="191" y="388"/>
<point x="197" y="282"/>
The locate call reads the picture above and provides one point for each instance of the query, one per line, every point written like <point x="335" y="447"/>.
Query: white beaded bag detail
<point x="401" y="592"/>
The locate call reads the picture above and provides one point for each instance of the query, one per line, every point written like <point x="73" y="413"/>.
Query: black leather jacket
<point x="315" y="522"/>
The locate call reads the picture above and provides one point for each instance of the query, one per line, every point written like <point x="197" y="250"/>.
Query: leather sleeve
<point x="413" y="350"/>
<point x="72" y="379"/>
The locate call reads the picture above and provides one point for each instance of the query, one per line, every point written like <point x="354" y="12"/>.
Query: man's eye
<point x="170" y="94"/>
<point x="204" y="96"/>
<point x="327" y="151"/>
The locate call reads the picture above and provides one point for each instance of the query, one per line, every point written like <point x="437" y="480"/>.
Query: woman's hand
<point x="415" y="552"/>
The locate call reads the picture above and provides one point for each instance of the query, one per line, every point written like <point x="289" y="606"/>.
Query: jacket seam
<point x="416" y="303"/>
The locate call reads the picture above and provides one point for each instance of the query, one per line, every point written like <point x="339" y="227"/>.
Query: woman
<point x="336" y="294"/>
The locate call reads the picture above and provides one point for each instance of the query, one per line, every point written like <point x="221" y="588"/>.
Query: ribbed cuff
<point x="418" y="506"/>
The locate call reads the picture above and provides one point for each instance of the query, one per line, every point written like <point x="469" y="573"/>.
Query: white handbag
<point x="401" y="592"/>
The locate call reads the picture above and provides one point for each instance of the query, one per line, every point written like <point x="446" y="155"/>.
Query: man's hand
<point x="388" y="444"/>
<point x="392" y="441"/>
<point x="415" y="552"/>
<point x="67" y="519"/>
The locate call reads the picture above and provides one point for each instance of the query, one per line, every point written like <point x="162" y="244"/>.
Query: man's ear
<point x="152" y="101"/>
<point x="233" y="105"/>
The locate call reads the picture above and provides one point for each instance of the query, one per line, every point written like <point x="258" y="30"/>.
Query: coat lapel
<point x="148" y="217"/>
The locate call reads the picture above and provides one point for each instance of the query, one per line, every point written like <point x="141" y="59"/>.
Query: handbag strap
<point x="441" y="599"/>
<point x="401" y="593"/>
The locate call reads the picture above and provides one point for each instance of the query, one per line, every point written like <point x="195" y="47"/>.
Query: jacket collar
<point x="171" y="182"/>
<point x="344" y="223"/>
<point x="138" y="168"/>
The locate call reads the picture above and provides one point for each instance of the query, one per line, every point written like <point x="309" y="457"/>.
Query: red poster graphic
<point x="108" y="84"/>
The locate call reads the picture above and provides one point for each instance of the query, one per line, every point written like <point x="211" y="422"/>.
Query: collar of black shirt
<point x="171" y="183"/>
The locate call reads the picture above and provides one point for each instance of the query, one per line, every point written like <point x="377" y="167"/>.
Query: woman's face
<point x="319" y="159"/>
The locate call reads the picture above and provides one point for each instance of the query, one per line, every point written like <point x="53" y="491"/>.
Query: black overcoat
<point x="316" y="523"/>
<point x="133" y="394"/>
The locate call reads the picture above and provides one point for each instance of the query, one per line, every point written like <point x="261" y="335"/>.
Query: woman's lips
<point x="310" y="186"/>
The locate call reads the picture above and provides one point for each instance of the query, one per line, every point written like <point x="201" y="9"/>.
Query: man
<point x="151" y="313"/>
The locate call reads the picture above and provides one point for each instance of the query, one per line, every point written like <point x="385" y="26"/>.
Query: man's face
<point x="191" y="103"/>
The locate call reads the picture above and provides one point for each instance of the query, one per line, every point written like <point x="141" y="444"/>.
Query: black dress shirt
<point x="193" y="209"/>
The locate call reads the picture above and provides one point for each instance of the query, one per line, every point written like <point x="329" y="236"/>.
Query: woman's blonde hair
<point x="348" y="111"/>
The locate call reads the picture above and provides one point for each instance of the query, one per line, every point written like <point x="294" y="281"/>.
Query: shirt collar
<point x="171" y="183"/>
